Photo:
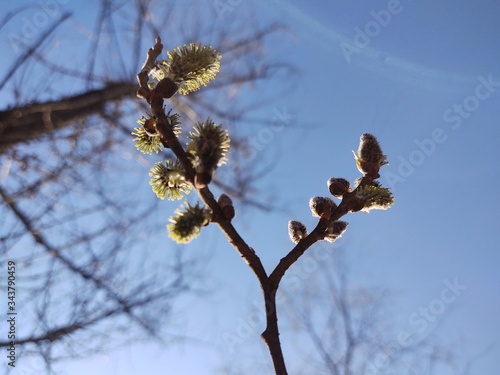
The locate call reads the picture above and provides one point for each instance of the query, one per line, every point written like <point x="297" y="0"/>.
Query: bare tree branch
<point x="74" y="215"/>
<point x="22" y="125"/>
<point x="26" y="55"/>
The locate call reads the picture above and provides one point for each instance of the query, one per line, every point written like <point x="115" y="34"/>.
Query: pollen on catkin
<point x="169" y="180"/>
<point x="187" y="223"/>
<point x="375" y="197"/>
<point x="208" y="147"/>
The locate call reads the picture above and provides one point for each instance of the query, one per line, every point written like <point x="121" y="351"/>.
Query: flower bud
<point x="227" y="206"/>
<point x="166" y="88"/>
<point x="202" y="179"/>
<point x="335" y="230"/>
<point x="296" y="231"/>
<point x="338" y="186"/>
<point x="369" y="148"/>
<point x="370" y="157"/>
<point x="146" y="137"/>
<point x="322" y="206"/>
<point x="149" y="125"/>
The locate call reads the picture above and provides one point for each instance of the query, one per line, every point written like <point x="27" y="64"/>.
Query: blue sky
<point x="427" y="84"/>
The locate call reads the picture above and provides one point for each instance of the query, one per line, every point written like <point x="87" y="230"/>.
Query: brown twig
<point x="269" y="284"/>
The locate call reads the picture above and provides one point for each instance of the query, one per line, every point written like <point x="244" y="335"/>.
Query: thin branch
<point x="39" y="238"/>
<point x="347" y="205"/>
<point x="33" y="48"/>
<point x="28" y="123"/>
<point x="165" y="89"/>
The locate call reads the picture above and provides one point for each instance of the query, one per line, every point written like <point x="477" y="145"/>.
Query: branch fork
<point x="367" y="194"/>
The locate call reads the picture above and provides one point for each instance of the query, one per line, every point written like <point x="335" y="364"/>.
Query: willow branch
<point x="368" y="162"/>
<point x="347" y="205"/>
<point x="155" y="98"/>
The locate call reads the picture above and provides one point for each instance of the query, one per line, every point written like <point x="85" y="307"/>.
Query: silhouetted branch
<point x="22" y="125"/>
<point x="26" y="55"/>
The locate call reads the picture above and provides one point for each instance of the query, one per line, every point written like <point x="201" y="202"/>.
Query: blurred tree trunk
<point x="28" y="123"/>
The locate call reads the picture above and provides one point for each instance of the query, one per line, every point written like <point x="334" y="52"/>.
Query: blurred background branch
<point x="75" y="215"/>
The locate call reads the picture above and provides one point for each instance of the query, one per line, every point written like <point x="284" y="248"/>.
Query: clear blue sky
<point x="427" y="84"/>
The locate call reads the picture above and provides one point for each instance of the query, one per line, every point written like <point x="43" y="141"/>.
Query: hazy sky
<point x="424" y="77"/>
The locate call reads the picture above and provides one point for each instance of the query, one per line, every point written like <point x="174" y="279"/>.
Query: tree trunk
<point x="24" y="124"/>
